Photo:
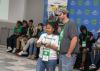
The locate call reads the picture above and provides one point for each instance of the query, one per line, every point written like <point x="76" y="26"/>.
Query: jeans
<point x="11" y="41"/>
<point x="31" y="45"/>
<point x="94" y="60"/>
<point x="65" y="63"/>
<point x="48" y="65"/>
<point x="32" y="49"/>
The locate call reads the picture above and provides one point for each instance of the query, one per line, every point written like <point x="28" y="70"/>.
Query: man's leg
<point x="65" y="63"/>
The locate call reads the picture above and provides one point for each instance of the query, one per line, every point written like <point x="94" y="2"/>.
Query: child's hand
<point x="48" y="46"/>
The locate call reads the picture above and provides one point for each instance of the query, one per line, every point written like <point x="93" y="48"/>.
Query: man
<point x="67" y="42"/>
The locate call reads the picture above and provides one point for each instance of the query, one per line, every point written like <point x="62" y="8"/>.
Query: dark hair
<point x="19" y="23"/>
<point x="51" y="23"/>
<point x="31" y="20"/>
<point x="24" y="21"/>
<point x="83" y="27"/>
<point x="54" y="26"/>
<point x="40" y="24"/>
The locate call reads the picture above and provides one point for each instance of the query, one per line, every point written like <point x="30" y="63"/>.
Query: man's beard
<point x="60" y="22"/>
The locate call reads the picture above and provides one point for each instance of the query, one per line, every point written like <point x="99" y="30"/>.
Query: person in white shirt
<point x="95" y="55"/>
<point x="48" y="45"/>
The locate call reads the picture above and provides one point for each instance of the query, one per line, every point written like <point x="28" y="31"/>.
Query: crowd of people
<point x="56" y="44"/>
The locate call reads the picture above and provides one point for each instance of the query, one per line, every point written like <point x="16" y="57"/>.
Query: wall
<point x="34" y="10"/>
<point x="5" y="31"/>
<point x="19" y="10"/>
<point x="25" y="9"/>
<point x="16" y="10"/>
<point x="4" y="7"/>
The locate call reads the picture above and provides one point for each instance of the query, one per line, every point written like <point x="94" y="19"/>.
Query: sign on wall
<point x="51" y="6"/>
<point x="55" y="5"/>
<point x="85" y="12"/>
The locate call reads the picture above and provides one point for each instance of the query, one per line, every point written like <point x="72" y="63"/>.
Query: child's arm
<point x="54" y="47"/>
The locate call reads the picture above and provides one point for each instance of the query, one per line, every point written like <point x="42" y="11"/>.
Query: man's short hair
<point x="64" y="11"/>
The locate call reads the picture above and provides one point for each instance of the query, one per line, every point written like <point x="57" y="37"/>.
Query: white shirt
<point x="98" y="43"/>
<point x="51" y="39"/>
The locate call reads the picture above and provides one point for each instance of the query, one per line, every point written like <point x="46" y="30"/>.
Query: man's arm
<point x="72" y="45"/>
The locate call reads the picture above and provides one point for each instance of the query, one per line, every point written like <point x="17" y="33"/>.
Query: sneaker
<point x="9" y="49"/>
<point x="22" y="53"/>
<point x="14" y="50"/>
<point x="92" y="66"/>
<point x="98" y="69"/>
<point x="29" y="56"/>
<point x="82" y="67"/>
<point x="33" y="57"/>
<point x="17" y="51"/>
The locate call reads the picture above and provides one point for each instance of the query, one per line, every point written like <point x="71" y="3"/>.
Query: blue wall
<point x="85" y="12"/>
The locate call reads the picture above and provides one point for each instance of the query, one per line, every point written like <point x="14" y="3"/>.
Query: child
<point x="85" y="42"/>
<point x="48" y="45"/>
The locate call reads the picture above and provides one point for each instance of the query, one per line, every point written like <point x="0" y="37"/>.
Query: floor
<point x="11" y="62"/>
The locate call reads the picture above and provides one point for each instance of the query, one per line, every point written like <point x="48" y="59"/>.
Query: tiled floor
<point x="10" y="62"/>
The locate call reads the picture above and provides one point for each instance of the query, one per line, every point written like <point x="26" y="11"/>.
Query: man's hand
<point x="68" y="55"/>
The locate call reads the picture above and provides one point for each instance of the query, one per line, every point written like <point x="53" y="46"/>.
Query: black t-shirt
<point x="24" y="31"/>
<point x="86" y="37"/>
<point x="31" y="31"/>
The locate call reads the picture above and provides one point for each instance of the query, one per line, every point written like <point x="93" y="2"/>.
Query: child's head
<point x="25" y="24"/>
<point x="83" y="29"/>
<point x="40" y="26"/>
<point x="18" y="24"/>
<point x="50" y="27"/>
<point x="30" y="23"/>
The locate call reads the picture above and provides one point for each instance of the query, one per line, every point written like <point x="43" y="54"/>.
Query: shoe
<point x="22" y="53"/>
<point x="33" y="57"/>
<point x="17" y="51"/>
<point x="29" y="56"/>
<point x="9" y="49"/>
<point x="98" y="69"/>
<point x="14" y="50"/>
<point x="92" y="66"/>
<point x="82" y="67"/>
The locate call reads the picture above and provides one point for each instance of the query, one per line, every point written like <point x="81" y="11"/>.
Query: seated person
<point x="22" y="39"/>
<point x="85" y="41"/>
<point x="95" y="55"/>
<point x="11" y="41"/>
<point x="31" y="44"/>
